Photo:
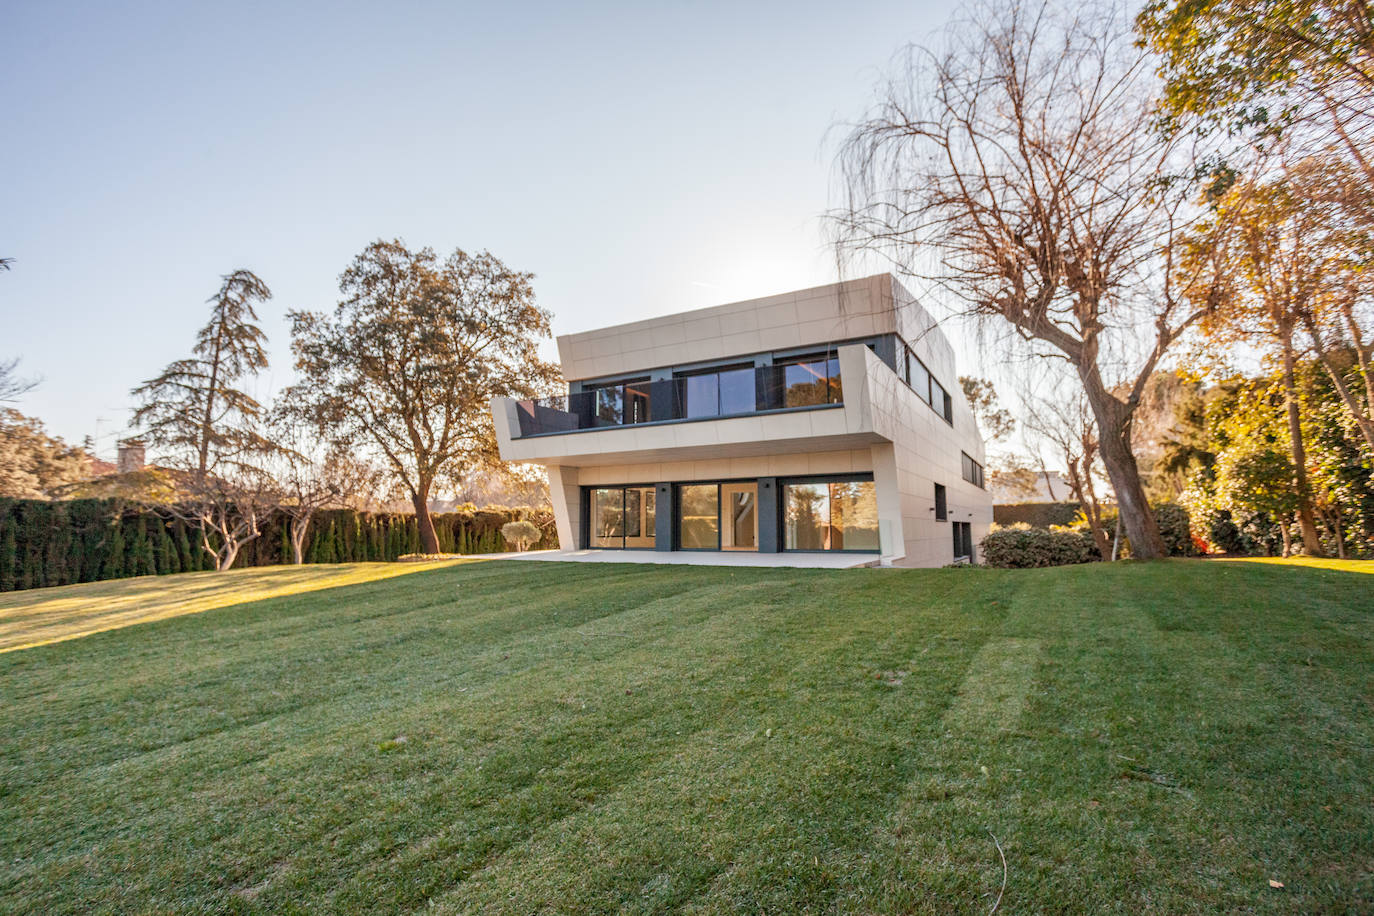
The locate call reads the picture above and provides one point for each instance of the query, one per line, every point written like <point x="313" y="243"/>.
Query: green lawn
<point x="528" y="737"/>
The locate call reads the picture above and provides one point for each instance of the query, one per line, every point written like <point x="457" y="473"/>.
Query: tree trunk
<point x="1114" y="447"/>
<point x="299" y="527"/>
<point x="429" y="540"/>
<point x="1311" y="541"/>
<point x="1287" y="543"/>
<point x="1335" y="523"/>
<point x="226" y="558"/>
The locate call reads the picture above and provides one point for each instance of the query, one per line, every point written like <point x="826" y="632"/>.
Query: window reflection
<point x="608" y="518"/>
<point x="699" y="516"/>
<point x="842" y="515"/>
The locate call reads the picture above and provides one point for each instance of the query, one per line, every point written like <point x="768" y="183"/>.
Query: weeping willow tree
<point x="1016" y="170"/>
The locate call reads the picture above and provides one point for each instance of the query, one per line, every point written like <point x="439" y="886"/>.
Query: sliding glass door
<point x="718" y="516"/>
<point x="622" y="517"/>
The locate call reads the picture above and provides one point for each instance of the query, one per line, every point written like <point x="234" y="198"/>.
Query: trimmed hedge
<point x="58" y="543"/>
<point x="1037" y="515"/>
<point x="1023" y="547"/>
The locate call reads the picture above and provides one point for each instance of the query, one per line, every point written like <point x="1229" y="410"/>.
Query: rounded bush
<point x="1023" y="547"/>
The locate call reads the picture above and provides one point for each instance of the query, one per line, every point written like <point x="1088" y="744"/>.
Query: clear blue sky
<point x="639" y="158"/>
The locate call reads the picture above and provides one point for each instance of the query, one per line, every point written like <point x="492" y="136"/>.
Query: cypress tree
<point x="113" y="566"/>
<point x="9" y="552"/>
<point x="59" y="544"/>
<point x="188" y="563"/>
<point x="133" y="554"/>
<point x="166" y="553"/>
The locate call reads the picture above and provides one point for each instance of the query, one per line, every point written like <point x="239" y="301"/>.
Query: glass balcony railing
<point x="727" y="393"/>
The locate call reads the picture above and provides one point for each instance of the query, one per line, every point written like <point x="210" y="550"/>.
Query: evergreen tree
<point x="9" y="552"/>
<point x="188" y="560"/>
<point x="113" y="566"/>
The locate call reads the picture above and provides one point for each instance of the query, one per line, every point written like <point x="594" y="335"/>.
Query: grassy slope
<point x="523" y="737"/>
<point x="39" y="616"/>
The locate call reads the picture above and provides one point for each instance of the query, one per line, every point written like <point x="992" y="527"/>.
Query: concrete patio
<point x="700" y="558"/>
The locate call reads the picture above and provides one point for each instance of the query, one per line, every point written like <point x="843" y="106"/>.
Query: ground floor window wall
<point x="830" y="515"/>
<point x="811" y="514"/>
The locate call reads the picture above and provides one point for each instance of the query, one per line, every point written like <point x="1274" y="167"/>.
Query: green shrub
<point x="1037" y="515"/>
<point x="520" y="534"/>
<point x="1024" y="547"/>
<point x="1175" y="528"/>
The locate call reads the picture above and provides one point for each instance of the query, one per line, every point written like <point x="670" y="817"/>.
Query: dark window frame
<point x="941" y="503"/>
<point x="972" y="471"/>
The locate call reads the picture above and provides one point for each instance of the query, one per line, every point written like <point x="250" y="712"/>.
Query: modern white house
<point x="823" y="420"/>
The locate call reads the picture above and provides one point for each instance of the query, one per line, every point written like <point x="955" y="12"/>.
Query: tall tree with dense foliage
<point x="408" y="362"/>
<point x="207" y="426"/>
<point x="1301" y="68"/>
<point x="1018" y="171"/>
<point x="33" y="464"/>
<point x="1284" y="266"/>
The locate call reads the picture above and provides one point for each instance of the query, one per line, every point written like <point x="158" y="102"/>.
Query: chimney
<point x="131" y="455"/>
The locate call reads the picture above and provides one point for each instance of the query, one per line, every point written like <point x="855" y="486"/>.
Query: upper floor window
<point x="973" y="471"/>
<point x="915" y="374"/>
<point x="941" y="504"/>
<point x="940" y="400"/>
<point x="918" y="377"/>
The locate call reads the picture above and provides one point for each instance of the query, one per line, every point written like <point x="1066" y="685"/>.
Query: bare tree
<point x="12" y="387"/>
<point x="1064" y="421"/>
<point x="232" y="504"/>
<point x="1018" y="173"/>
<point x="311" y="472"/>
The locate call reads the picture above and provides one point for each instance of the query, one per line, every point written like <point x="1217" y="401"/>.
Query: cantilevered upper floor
<point x="758" y="360"/>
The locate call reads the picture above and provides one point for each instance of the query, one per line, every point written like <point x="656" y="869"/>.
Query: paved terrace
<point x="701" y="558"/>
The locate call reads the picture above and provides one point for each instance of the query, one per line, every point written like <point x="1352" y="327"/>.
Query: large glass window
<point x="836" y="515"/>
<point x="622" y="517"/>
<point x="699" y="516"/>
<point x="854" y="515"/>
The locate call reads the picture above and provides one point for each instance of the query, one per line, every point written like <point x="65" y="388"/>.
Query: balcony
<point x="700" y="396"/>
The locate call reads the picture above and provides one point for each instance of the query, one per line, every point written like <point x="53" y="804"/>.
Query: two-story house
<point x="828" y="419"/>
